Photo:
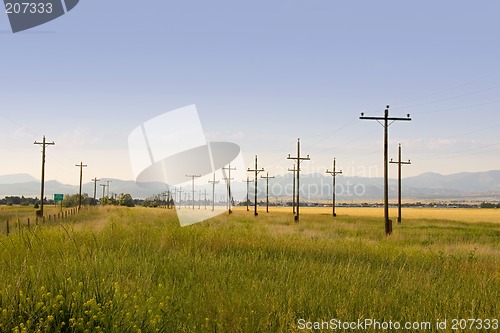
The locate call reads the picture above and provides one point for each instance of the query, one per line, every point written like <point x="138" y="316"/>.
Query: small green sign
<point x="58" y="197"/>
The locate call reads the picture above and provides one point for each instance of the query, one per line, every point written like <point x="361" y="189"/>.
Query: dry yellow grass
<point x="456" y="214"/>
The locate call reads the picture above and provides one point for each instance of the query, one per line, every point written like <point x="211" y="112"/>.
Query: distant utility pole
<point x="386" y="124"/>
<point x="107" y="182"/>
<point x="103" y="189"/>
<point x="256" y="170"/>
<point x="205" y="199"/>
<point x="293" y="188"/>
<point x="248" y="181"/>
<point x="180" y="196"/>
<point x="192" y="180"/>
<point x="228" y="178"/>
<point x="43" y="144"/>
<point x="267" y="190"/>
<point x="399" y="163"/>
<point x="95" y="180"/>
<point x="213" y="191"/>
<point x="167" y="203"/>
<point x="298" y="159"/>
<point x="334" y="175"/>
<point x="81" y="166"/>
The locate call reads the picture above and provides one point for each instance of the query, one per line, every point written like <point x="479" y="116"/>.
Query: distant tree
<point x="487" y="205"/>
<point x="126" y="200"/>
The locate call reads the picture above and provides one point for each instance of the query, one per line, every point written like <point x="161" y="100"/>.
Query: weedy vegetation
<point x="115" y="269"/>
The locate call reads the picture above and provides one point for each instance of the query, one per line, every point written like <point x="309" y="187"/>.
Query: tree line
<point x="70" y="200"/>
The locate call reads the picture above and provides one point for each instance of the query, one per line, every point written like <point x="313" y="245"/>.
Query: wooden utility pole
<point x="267" y="190"/>
<point x="256" y="170"/>
<point x="107" y="184"/>
<point x="248" y="182"/>
<point x="43" y="144"/>
<point x="81" y="166"/>
<point x="385" y="124"/>
<point x="399" y="163"/>
<point x="228" y="178"/>
<point x="213" y="182"/>
<point x="293" y="188"/>
<point x="103" y="190"/>
<point x="334" y="175"/>
<point x="95" y="180"/>
<point x="298" y="159"/>
<point x="192" y="181"/>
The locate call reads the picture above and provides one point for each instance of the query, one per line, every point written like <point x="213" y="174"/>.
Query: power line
<point x="81" y="166"/>
<point x="334" y="175"/>
<point x="256" y="170"/>
<point x="399" y="163"/>
<point x="43" y="144"/>
<point x="267" y="190"/>
<point x="386" y="119"/>
<point x="298" y="159"/>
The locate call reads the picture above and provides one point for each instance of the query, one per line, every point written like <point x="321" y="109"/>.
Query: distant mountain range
<point x="313" y="187"/>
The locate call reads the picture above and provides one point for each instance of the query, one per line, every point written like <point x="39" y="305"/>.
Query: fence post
<point x="29" y="223"/>
<point x="8" y="229"/>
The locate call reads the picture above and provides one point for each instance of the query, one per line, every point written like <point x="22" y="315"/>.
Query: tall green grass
<point x="136" y="270"/>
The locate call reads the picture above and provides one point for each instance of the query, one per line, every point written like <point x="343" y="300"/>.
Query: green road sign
<point x="58" y="197"/>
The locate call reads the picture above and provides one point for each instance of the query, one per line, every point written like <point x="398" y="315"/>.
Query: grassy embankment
<point x="130" y="270"/>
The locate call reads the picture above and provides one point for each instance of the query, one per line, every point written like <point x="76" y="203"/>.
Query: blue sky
<point x="261" y="74"/>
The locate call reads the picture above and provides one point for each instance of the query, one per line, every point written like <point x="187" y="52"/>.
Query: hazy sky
<point x="262" y="74"/>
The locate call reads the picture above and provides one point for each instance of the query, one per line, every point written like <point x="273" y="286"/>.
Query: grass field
<point x="135" y="270"/>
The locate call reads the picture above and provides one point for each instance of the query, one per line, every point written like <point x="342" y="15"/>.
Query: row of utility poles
<point x="44" y="143"/>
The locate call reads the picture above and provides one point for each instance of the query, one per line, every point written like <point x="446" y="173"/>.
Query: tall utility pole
<point x="180" y="196"/>
<point x="298" y="159"/>
<point x="205" y="199"/>
<point x="248" y="182"/>
<point x="107" y="182"/>
<point x="256" y="170"/>
<point x="334" y="174"/>
<point x="213" y="182"/>
<point x="293" y="188"/>
<point x="95" y="180"/>
<point x="267" y="190"/>
<point x="103" y="189"/>
<point x="399" y="163"/>
<point x="386" y="124"/>
<point x="81" y="166"/>
<point x="43" y="144"/>
<point x="192" y="181"/>
<point x="229" y="196"/>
